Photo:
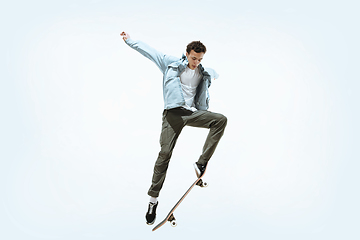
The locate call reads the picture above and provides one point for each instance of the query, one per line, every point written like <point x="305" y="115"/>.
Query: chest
<point x="190" y="78"/>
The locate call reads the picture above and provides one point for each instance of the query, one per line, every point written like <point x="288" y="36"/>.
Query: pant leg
<point x="216" y="122"/>
<point x="172" y="124"/>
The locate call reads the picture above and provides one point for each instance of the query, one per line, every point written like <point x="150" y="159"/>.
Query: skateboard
<point x="170" y="217"/>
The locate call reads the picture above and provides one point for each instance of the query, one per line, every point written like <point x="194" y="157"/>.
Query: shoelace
<point x="151" y="208"/>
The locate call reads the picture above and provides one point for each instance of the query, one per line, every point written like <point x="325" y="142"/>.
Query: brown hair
<point x="197" y="46"/>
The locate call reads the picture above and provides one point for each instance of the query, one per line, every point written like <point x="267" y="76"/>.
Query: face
<point x="194" y="59"/>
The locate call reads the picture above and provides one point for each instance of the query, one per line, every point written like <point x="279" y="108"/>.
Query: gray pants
<point x="173" y="121"/>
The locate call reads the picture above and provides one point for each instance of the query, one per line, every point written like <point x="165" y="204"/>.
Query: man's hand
<point x="125" y="35"/>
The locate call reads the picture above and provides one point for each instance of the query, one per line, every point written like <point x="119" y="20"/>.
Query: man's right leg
<point x="172" y="125"/>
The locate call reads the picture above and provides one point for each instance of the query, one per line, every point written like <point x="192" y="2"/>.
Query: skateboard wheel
<point x="173" y="223"/>
<point x="205" y="184"/>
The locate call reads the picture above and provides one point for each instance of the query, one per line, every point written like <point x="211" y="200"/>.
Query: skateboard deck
<point x="170" y="217"/>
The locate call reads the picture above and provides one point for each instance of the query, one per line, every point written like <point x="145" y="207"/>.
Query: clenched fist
<point x="125" y="35"/>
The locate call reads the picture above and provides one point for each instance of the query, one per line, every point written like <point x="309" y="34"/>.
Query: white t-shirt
<point x="190" y="79"/>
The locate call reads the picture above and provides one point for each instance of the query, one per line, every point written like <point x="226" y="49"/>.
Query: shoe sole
<point x="151" y="222"/>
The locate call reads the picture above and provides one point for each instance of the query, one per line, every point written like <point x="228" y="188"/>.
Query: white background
<point x="81" y="119"/>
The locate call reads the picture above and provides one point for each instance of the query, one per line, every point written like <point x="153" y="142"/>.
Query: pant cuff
<point x="153" y="194"/>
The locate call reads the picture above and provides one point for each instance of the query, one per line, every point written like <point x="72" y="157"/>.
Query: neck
<point x="191" y="67"/>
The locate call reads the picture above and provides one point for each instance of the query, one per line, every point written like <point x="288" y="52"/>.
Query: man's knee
<point x="162" y="162"/>
<point x="164" y="155"/>
<point x="222" y="120"/>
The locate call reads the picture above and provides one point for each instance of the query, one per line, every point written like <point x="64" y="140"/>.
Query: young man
<point x="186" y="100"/>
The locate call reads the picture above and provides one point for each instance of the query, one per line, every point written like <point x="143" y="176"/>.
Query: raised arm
<point x="161" y="60"/>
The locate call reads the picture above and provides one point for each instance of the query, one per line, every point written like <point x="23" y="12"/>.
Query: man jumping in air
<point x="186" y="100"/>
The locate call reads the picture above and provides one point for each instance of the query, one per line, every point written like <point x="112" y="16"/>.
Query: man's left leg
<point x="216" y="122"/>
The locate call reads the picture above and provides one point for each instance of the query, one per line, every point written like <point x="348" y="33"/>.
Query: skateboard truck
<point x="172" y="220"/>
<point x="202" y="184"/>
